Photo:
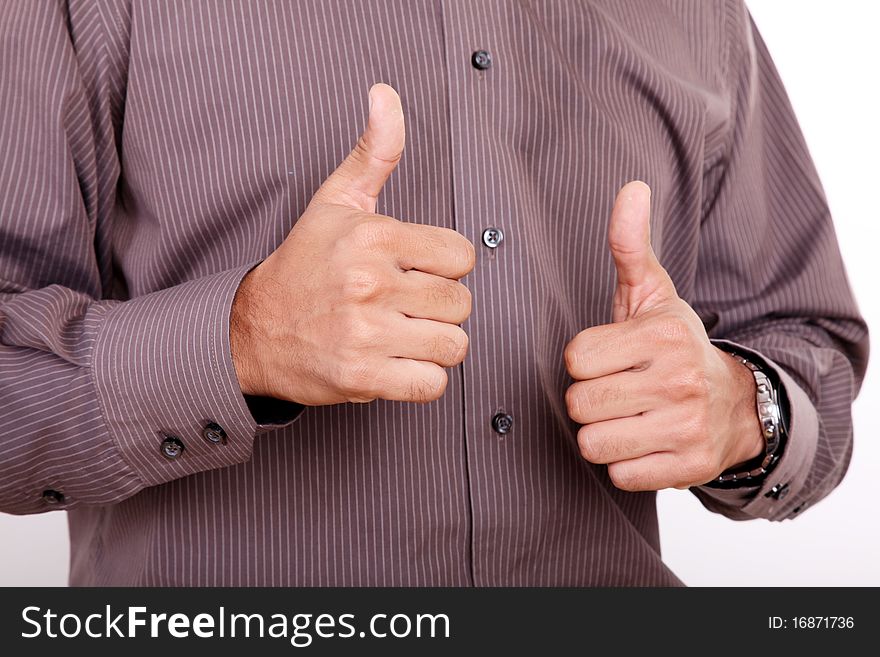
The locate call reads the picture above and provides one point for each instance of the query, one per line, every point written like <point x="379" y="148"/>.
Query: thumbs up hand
<point x="660" y="405"/>
<point x="355" y="306"/>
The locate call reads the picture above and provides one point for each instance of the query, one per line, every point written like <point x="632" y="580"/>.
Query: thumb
<point x="642" y="283"/>
<point x="358" y="181"/>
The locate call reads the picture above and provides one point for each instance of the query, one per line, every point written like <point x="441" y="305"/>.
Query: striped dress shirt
<point x="152" y="152"/>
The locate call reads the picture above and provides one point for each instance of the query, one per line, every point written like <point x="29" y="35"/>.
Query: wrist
<point x="769" y="407"/>
<point x="243" y="334"/>
<point x="747" y="438"/>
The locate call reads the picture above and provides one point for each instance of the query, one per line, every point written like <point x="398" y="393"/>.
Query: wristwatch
<point x="770" y="411"/>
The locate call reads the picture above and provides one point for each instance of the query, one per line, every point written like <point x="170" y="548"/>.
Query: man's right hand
<point x="355" y="306"/>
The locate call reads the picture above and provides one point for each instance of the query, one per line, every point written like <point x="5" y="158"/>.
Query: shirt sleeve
<point x="94" y="390"/>
<point x="771" y="283"/>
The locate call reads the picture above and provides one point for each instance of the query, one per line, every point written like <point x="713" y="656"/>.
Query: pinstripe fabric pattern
<point x="153" y="152"/>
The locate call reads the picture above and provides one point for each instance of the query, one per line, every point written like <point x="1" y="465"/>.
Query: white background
<point x="828" y="55"/>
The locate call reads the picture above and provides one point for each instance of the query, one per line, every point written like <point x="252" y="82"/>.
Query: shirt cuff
<point x="167" y="385"/>
<point x="776" y="498"/>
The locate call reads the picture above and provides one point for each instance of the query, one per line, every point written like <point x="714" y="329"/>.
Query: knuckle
<point x="699" y="467"/>
<point x="428" y="388"/>
<point x="692" y="435"/>
<point x="358" y="331"/>
<point x="462" y="344"/>
<point x="361" y="151"/>
<point x="623" y="477"/>
<point x="438" y="385"/>
<point x="365" y="153"/>
<point x="589" y="445"/>
<point x="465" y="300"/>
<point x="448" y="349"/>
<point x="689" y="382"/>
<point x="362" y="284"/>
<point x="372" y="234"/>
<point x="443" y="292"/>
<point x="460" y="250"/>
<point x="469" y="255"/>
<point x="672" y="330"/>
<point x="357" y="380"/>
<point x="701" y="419"/>
<point x="596" y="397"/>
<point x="572" y="356"/>
<point x="694" y="430"/>
<point x="572" y="402"/>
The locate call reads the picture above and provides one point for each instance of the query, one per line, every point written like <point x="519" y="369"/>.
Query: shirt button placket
<point x="492" y="237"/>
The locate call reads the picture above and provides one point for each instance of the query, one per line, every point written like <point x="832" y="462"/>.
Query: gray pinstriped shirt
<point x="152" y="152"/>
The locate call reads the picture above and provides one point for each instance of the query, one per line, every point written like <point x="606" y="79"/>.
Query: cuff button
<point x="214" y="433"/>
<point x="172" y="447"/>
<point x="53" y="497"/>
<point x="778" y="492"/>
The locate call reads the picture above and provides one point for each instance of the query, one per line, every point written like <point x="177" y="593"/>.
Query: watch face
<point x="768" y="414"/>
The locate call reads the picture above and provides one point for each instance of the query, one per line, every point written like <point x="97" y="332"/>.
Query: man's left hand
<point x="660" y="404"/>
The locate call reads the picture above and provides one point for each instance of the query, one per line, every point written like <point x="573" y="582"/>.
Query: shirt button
<point x="53" y="497"/>
<point x="492" y="237"/>
<point x="214" y="433"/>
<point x="481" y="60"/>
<point x="171" y="447"/>
<point x="502" y="423"/>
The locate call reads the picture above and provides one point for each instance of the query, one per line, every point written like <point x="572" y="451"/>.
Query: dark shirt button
<point x="502" y="423"/>
<point x="214" y="433"/>
<point x="53" y="497"/>
<point x="171" y="447"/>
<point x="492" y="237"/>
<point x="481" y="60"/>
